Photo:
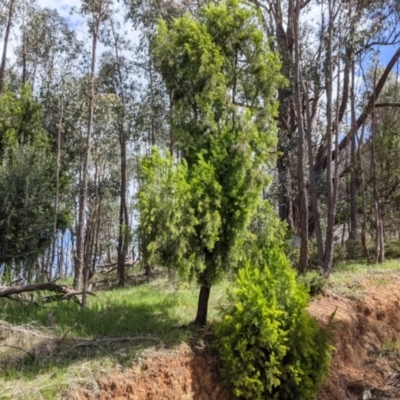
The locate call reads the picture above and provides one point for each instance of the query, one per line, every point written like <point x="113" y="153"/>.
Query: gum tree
<point x="195" y="211"/>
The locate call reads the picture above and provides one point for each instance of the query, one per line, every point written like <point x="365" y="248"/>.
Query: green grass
<point x="58" y="346"/>
<point x="154" y="314"/>
<point x="346" y="277"/>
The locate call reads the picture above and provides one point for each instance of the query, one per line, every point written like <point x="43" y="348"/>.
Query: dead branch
<point x="18" y="348"/>
<point x="64" y="292"/>
<point x="4" y="325"/>
<point x="113" y="266"/>
<point x="68" y="330"/>
<point x="321" y="162"/>
<point x="113" y="340"/>
<point x="387" y="104"/>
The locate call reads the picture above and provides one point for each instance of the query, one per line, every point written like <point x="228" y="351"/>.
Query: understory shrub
<point x="269" y="346"/>
<point x="354" y="250"/>
<point x="392" y="250"/>
<point x="313" y="281"/>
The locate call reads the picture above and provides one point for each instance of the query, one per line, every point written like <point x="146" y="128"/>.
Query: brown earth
<point x="184" y="373"/>
<point x="366" y="362"/>
<point x="365" y="365"/>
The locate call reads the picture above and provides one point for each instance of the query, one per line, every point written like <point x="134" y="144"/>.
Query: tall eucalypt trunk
<point x="96" y="10"/>
<point x="379" y="239"/>
<point x="5" y="44"/>
<point x="331" y="123"/>
<point x="123" y="234"/>
<point x="303" y="260"/>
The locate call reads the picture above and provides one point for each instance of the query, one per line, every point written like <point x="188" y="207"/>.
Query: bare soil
<point x="184" y="373"/>
<point x="365" y="364"/>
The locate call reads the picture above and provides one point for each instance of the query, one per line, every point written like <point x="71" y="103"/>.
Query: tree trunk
<point x="303" y="260"/>
<point x="6" y="37"/>
<point x="202" y="305"/>
<point x="316" y="221"/>
<point x="332" y="179"/>
<point x="353" y="188"/>
<point x="364" y="205"/>
<point x="57" y="195"/>
<point x="123" y="232"/>
<point x="123" y="216"/>
<point x="379" y="243"/>
<point x="323" y="161"/>
<point x="80" y="266"/>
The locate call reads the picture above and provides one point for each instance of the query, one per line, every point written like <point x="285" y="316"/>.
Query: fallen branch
<point x="64" y="292"/>
<point x="113" y="266"/>
<point x="18" y="348"/>
<point x="4" y="325"/>
<point x="113" y="340"/>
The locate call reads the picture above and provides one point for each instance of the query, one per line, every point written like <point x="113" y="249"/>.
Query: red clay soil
<point x="185" y="373"/>
<point x="364" y="366"/>
<point x="366" y="362"/>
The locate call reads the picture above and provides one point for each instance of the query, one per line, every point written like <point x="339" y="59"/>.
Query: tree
<point x="223" y="79"/>
<point x="20" y="120"/>
<point x="98" y="11"/>
<point x="26" y="208"/>
<point x="11" y="9"/>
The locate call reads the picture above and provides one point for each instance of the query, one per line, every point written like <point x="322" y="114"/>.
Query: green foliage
<point x="21" y="120"/>
<point x="166" y="217"/>
<point x="194" y="213"/>
<point x="269" y="346"/>
<point x="26" y="204"/>
<point x="354" y="250"/>
<point x="313" y="281"/>
<point x="392" y="250"/>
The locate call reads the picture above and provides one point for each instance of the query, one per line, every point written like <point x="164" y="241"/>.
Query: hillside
<point x="158" y="356"/>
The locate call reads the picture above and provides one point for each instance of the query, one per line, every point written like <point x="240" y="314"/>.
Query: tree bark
<point x="6" y="291"/>
<point x="80" y="265"/>
<point x="353" y="187"/>
<point x="303" y="260"/>
<point x="202" y="305"/>
<point x="5" y="44"/>
<point x="123" y="233"/>
<point x="379" y="242"/>
<point x="323" y="161"/>
<point x="331" y="183"/>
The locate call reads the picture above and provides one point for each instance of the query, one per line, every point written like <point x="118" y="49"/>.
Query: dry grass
<point x="46" y="351"/>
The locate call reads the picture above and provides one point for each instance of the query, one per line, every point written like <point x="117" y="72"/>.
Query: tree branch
<point x="322" y="164"/>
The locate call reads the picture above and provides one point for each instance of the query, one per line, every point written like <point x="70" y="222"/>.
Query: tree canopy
<point x="223" y="79"/>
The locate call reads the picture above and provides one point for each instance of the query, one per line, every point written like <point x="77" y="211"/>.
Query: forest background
<point x="85" y="96"/>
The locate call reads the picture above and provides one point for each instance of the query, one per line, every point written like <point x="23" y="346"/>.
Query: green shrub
<point x="339" y="254"/>
<point x="313" y="281"/>
<point x="270" y="348"/>
<point x="354" y="250"/>
<point x="392" y="250"/>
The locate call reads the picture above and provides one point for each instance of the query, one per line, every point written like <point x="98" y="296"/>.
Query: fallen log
<point x="63" y="292"/>
<point x="113" y="266"/>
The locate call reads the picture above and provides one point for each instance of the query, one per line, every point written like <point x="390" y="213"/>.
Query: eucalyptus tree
<point x="48" y="47"/>
<point x="117" y="75"/>
<point x="10" y="19"/>
<point x="97" y="12"/>
<point x="194" y="212"/>
<point x="330" y="46"/>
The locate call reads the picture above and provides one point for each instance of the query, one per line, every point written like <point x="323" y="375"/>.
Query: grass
<point x="347" y="278"/>
<point x="48" y="349"/>
<point x="44" y="346"/>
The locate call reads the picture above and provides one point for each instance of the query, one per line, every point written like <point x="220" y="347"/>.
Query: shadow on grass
<point x="110" y="329"/>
